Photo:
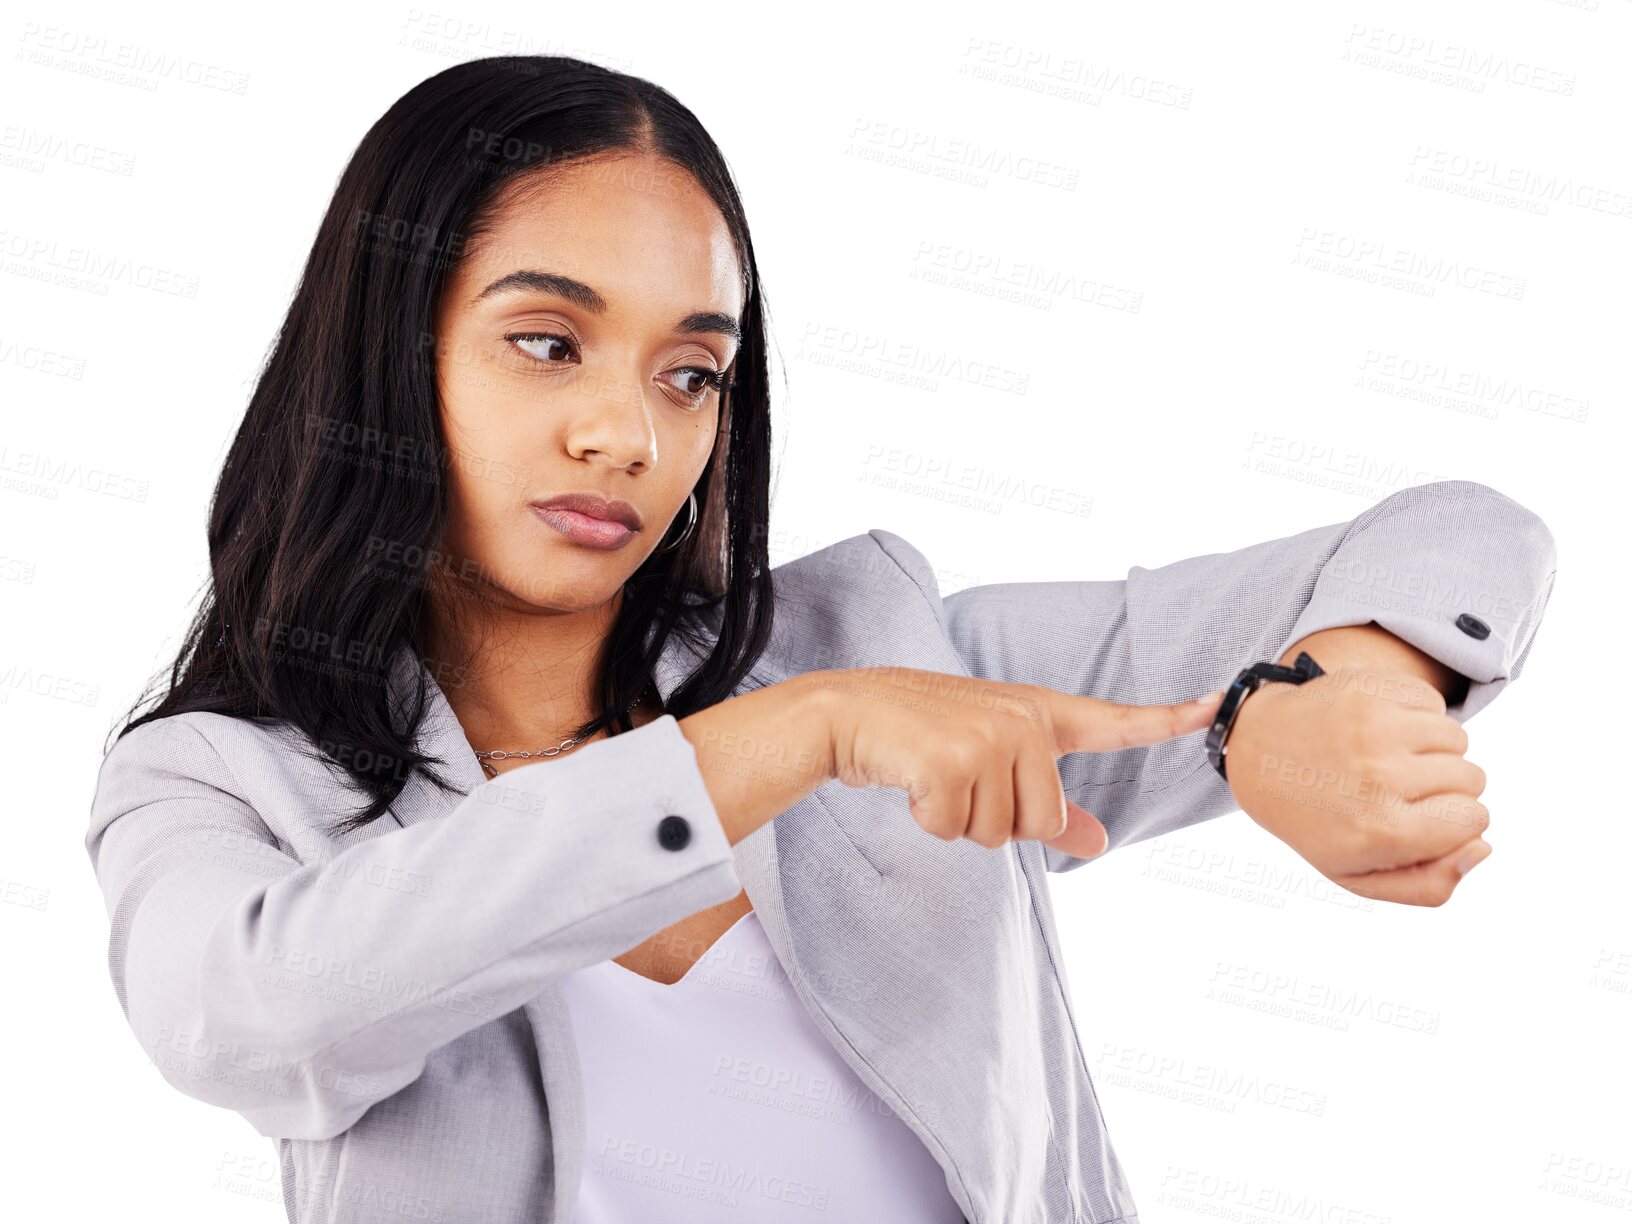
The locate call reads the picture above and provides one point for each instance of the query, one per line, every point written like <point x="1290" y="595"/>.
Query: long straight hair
<point x="329" y="512"/>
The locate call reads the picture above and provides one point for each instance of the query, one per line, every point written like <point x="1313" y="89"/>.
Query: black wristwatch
<point x="1246" y="682"/>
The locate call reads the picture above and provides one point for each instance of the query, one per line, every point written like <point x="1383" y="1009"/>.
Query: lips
<point x="612" y="510"/>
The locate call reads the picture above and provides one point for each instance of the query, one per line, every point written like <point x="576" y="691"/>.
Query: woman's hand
<point x="1363" y="773"/>
<point x="977" y="757"/>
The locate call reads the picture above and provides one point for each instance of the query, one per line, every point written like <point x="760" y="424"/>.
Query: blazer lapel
<point x="440" y="736"/>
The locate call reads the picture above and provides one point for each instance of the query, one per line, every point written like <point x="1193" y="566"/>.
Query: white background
<point x="1206" y="387"/>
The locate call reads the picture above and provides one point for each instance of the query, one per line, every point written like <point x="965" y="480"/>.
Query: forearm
<point x="1374" y="648"/>
<point x="300" y="993"/>
<point x="763" y="751"/>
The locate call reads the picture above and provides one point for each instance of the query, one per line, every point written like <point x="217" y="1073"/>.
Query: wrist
<point x="1244" y="738"/>
<point x="1238" y="697"/>
<point x="820" y="698"/>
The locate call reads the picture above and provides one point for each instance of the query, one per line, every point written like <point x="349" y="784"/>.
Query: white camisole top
<point x="717" y="1098"/>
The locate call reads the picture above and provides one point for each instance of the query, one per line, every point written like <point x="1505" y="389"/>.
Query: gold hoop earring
<point x="691" y="500"/>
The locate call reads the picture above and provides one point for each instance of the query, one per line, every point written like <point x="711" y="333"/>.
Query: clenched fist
<point x="1364" y="774"/>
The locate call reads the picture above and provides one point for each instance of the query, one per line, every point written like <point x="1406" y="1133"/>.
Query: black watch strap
<point x="1246" y="682"/>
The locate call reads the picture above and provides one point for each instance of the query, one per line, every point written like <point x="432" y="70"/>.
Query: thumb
<point x="1087" y="724"/>
<point x="1083" y="836"/>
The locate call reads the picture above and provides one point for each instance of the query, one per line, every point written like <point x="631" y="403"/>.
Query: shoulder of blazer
<point x="168" y="758"/>
<point x="914" y="565"/>
<point x="867" y="600"/>
<point x="875" y="566"/>
<point x="213" y="744"/>
<point x="236" y="759"/>
<point x="866" y="576"/>
<point x="270" y="774"/>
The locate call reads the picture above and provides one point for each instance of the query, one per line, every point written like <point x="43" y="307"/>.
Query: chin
<point x="571" y="584"/>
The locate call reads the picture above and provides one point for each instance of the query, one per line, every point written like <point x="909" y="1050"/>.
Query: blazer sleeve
<point x="301" y="994"/>
<point x="1414" y="563"/>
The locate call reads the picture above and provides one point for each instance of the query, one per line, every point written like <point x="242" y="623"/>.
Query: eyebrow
<point x="579" y="294"/>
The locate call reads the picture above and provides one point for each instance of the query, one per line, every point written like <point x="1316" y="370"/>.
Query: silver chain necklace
<point x="499" y="755"/>
<point x="549" y="751"/>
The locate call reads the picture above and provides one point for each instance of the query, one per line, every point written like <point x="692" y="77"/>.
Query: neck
<point x="519" y="680"/>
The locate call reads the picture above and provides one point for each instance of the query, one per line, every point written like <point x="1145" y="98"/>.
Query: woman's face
<point x="576" y="347"/>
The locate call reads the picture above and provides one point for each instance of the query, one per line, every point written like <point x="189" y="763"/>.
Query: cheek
<point x="480" y="396"/>
<point x="470" y="405"/>
<point x="478" y="427"/>
<point x="488" y="522"/>
<point x="693" y="441"/>
<point x="481" y="488"/>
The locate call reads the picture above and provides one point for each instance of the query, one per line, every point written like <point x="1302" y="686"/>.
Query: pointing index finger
<point x="1089" y="724"/>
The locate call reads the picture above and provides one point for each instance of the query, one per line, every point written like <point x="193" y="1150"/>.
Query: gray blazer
<point x="386" y="1007"/>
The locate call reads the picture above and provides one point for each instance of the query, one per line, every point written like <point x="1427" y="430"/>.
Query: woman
<point x="493" y="722"/>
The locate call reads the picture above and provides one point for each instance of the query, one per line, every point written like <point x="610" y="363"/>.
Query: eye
<point x="542" y="344"/>
<point x="706" y="380"/>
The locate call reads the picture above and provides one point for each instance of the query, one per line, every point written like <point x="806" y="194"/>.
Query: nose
<point x="613" y="424"/>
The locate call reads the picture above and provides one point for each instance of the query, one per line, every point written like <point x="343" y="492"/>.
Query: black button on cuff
<point x="1473" y="626"/>
<point x="673" y="832"/>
